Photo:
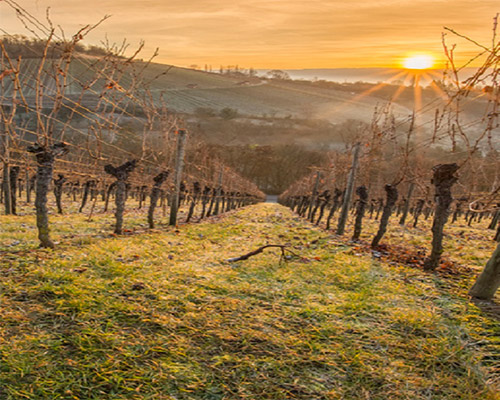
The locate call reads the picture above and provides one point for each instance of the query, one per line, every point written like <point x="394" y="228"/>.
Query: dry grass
<point x="162" y="315"/>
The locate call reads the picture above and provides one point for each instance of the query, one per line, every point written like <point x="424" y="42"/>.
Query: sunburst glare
<point x="421" y="61"/>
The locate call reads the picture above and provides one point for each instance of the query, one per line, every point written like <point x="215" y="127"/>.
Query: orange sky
<point x="275" y="33"/>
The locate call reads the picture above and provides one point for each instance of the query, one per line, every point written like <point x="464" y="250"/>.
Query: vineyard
<point x="134" y="264"/>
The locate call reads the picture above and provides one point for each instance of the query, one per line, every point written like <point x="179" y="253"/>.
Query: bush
<point x="228" y="113"/>
<point x="205" y="112"/>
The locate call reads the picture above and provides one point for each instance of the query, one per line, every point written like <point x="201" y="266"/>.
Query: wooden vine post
<point x="179" y="166"/>
<point x="13" y="176"/>
<point x="6" y="171"/>
<point x="348" y="191"/>
<point x="218" y="193"/>
<point x="27" y="184"/>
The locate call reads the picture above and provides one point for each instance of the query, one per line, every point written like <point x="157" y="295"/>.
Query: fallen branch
<point x="261" y="249"/>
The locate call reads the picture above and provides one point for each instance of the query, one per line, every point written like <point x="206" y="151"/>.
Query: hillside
<point x="260" y="97"/>
<point x="186" y="90"/>
<point x="255" y="101"/>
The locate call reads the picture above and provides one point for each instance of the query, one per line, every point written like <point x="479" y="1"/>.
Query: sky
<point x="284" y="34"/>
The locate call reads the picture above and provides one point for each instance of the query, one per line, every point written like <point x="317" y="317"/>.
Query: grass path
<point x="163" y="315"/>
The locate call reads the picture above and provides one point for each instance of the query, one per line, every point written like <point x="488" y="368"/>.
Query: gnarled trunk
<point x="489" y="281"/>
<point x="212" y="202"/>
<point x="58" y="189"/>
<point x="324" y="198"/>
<point x="391" y="198"/>
<point x="406" y="206"/>
<point x="205" y="198"/>
<point x="362" y="193"/>
<point x="45" y="157"/>
<point x="443" y="179"/>
<point x="121" y="174"/>
<point x="335" y="205"/>
<point x="86" y="190"/>
<point x="194" y="200"/>
<point x="418" y="210"/>
<point x="155" y="195"/>
<point x="111" y="187"/>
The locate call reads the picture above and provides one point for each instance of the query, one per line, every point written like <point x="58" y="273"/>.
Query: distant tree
<point x="228" y="113"/>
<point x="205" y="112"/>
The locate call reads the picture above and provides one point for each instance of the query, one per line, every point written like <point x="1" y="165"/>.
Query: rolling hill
<point x="259" y="101"/>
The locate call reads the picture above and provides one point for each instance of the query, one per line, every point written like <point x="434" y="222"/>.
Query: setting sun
<point x="422" y="61"/>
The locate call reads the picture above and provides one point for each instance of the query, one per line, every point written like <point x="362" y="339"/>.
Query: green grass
<point x="163" y="315"/>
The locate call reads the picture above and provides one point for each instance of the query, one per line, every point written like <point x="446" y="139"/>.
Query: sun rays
<point x="416" y="74"/>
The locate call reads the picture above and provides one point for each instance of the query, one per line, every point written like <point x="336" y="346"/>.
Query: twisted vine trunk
<point x="495" y="219"/>
<point x="489" y="281"/>
<point x="155" y="195"/>
<point x="111" y="187"/>
<point x="219" y="200"/>
<point x="45" y="157"/>
<point x="28" y="184"/>
<point x="325" y="198"/>
<point x="303" y="206"/>
<point x="76" y="189"/>
<point x="335" y="205"/>
<point x="317" y="204"/>
<point x="362" y="193"/>
<point x="443" y="179"/>
<point x="121" y="174"/>
<point x="212" y="202"/>
<point x="229" y="201"/>
<point x="142" y="196"/>
<point x="58" y="189"/>
<point x="406" y="207"/>
<point x="418" y="210"/>
<point x="194" y="200"/>
<point x="391" y="198"/>
<point x="380" y="207"/>
<point x="313" y="203"/>
<point x="204" y="201"/>
<point x="120" y="197"/>
<point x="86" y="190"/>
<point x="223" y="200"/>
<point x="458" y="211"/>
